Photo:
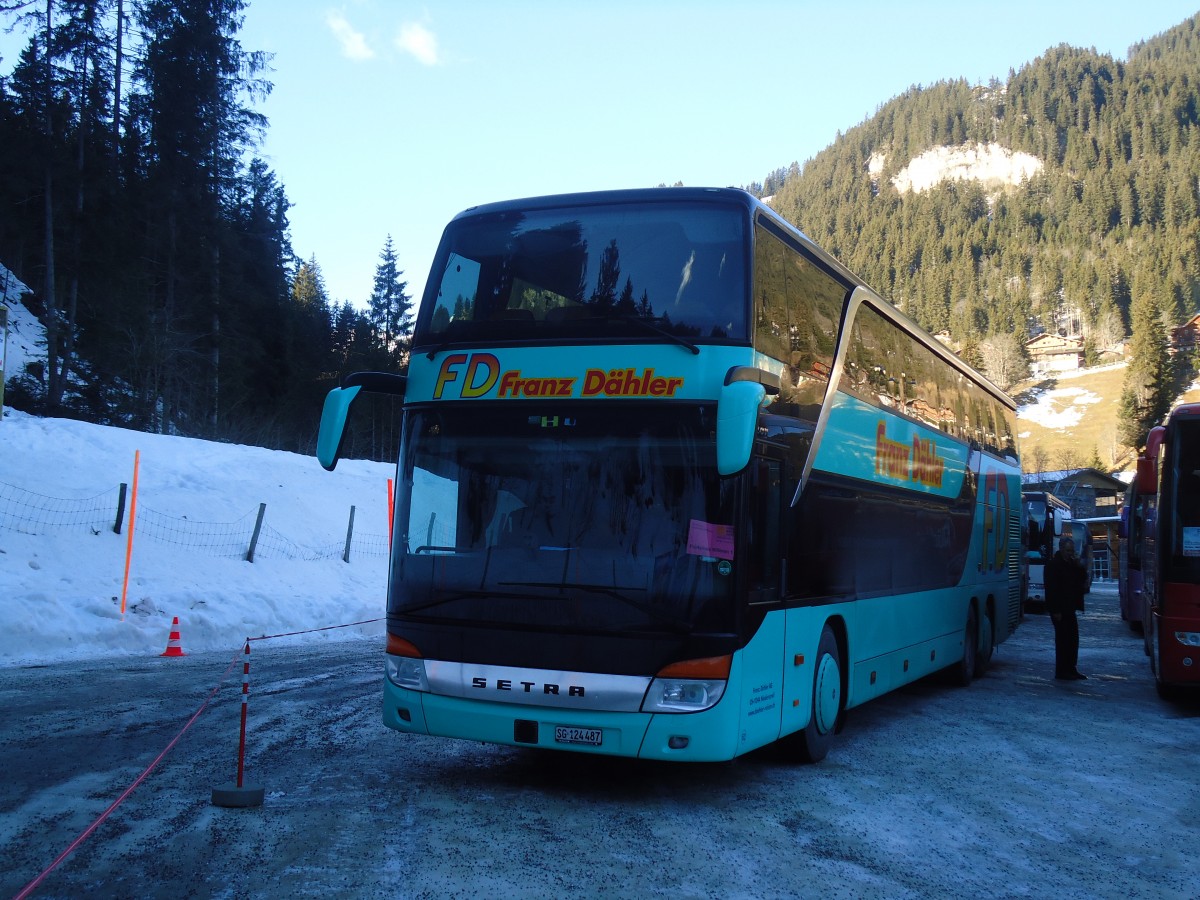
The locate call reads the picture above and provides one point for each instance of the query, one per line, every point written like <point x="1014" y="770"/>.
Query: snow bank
<point x="60" y="589"/>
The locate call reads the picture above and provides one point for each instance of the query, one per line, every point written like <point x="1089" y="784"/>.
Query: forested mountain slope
<point x="1093" y="210"/>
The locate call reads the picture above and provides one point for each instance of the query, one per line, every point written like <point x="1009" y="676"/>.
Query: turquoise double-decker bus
<point x="674" y="484"/>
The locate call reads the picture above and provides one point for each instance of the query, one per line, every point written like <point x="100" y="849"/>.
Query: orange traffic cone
<point x="174" y="645"/>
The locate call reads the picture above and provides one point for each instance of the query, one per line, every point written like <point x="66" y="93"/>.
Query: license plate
<point x="568" y="734"/>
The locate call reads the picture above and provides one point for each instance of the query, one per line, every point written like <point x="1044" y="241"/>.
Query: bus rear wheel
<point x="813" y="741"/>
<point x="1165" y="691"/>
<point x="961" y="672"/>
<point x="987" y="644"/>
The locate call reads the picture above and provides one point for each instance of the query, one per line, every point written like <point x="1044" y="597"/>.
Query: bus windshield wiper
<point x="460" y="595"/>
<point x="647" y="324"/>
<point x="437" y="348"/>
<point x="679" y="626"/>
<point x="651" y="325"/>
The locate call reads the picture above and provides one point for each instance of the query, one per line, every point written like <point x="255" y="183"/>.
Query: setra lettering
<point x="528" y="687"/>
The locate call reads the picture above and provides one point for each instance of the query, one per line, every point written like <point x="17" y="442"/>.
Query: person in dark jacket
<point x="1066" y="583"/>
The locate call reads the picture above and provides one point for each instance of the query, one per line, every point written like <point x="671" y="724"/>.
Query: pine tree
<point x="390" y="306"/>
<point x="194" y="79"/>
<point x="308" y="287"/>
<point x="1146" y="394"/>
<point x="313" y="320"/>
<point x="607" y="279"/>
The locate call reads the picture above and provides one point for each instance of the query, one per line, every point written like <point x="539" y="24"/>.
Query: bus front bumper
<point x="707" y="736"/>
<point x="1178" y="650"/>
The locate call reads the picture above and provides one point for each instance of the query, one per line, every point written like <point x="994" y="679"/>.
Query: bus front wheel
<point x="812" y="743"/>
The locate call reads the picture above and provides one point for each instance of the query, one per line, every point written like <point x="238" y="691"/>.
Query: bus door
<point x="762" y="673"/>
<point x="765" y="539"/>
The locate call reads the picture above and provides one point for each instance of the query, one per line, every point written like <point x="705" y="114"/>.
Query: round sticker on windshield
<point x="724" y="567"/>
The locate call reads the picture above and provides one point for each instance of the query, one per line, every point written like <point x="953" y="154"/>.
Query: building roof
<point x="1046" y="344"/>
<point x="1094" y="477"/>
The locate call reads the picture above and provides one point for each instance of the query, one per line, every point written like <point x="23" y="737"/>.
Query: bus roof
<point x="606" y="198"/>
<point x="1049" y="498"/>
<point x="1184" y="409"/>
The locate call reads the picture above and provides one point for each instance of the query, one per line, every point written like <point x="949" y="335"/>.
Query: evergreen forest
<point x="157" y="244"/>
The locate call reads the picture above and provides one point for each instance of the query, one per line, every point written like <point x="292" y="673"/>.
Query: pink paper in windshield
<point x="708" y="539"/>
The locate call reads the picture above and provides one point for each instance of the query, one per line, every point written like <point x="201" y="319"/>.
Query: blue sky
<point x="389" y="116"/>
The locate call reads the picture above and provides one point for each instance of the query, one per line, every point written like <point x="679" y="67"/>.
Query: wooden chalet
<point x="1054" y="353"/>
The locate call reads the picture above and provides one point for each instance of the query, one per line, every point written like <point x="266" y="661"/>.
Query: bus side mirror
<point x="333" y="425"/>
<point x="1147" y="464"/>
<point x="1146" y="477"/>
<point x="337" y="409"/>
<point x="737" y="421"/>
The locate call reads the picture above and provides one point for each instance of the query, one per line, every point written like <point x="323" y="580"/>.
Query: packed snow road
<point x="1019" y="786"/>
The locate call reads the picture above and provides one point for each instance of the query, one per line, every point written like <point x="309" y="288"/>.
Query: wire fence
<point x="228" y="539"/>
<point x="247" y="537"/>
<point x="32" y="513"/>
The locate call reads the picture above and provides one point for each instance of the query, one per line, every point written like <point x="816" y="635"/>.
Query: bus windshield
<point x="604" y="520"/>
<point x="1180" y="506"/>
<point x="620" y="271"/>
<point x="1039" y="542"/>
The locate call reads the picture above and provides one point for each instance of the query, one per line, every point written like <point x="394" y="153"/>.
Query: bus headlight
<point x="406" y="672"/>
<point x="1188" y="638"/>
<point x="682" y="695"/>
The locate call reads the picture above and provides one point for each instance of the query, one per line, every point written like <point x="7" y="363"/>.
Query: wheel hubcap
<point x="828" y="694"/>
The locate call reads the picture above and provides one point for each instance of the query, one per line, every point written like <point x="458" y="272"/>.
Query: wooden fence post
<point x="262" y="511"/>
<point x="349" y="535"/>
<point x="120" y="508"/>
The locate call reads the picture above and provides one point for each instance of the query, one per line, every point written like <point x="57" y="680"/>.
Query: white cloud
<point x="419" y="42"/>
<point x="354" y="43"/>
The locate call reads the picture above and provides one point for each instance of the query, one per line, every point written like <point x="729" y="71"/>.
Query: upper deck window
<point x="590" y="272"/>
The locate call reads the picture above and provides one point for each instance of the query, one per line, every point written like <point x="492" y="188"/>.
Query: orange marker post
<point x="129" y="541"/>
<point x="391" y="512"/>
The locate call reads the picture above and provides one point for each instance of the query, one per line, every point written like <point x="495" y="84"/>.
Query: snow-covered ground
<point x="1063" y="407"/>
<point x="1059" y="408"/>
<point x="60" y="588"/>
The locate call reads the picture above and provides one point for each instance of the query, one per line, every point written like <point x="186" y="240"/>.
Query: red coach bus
<point x="1170" y="470"/>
